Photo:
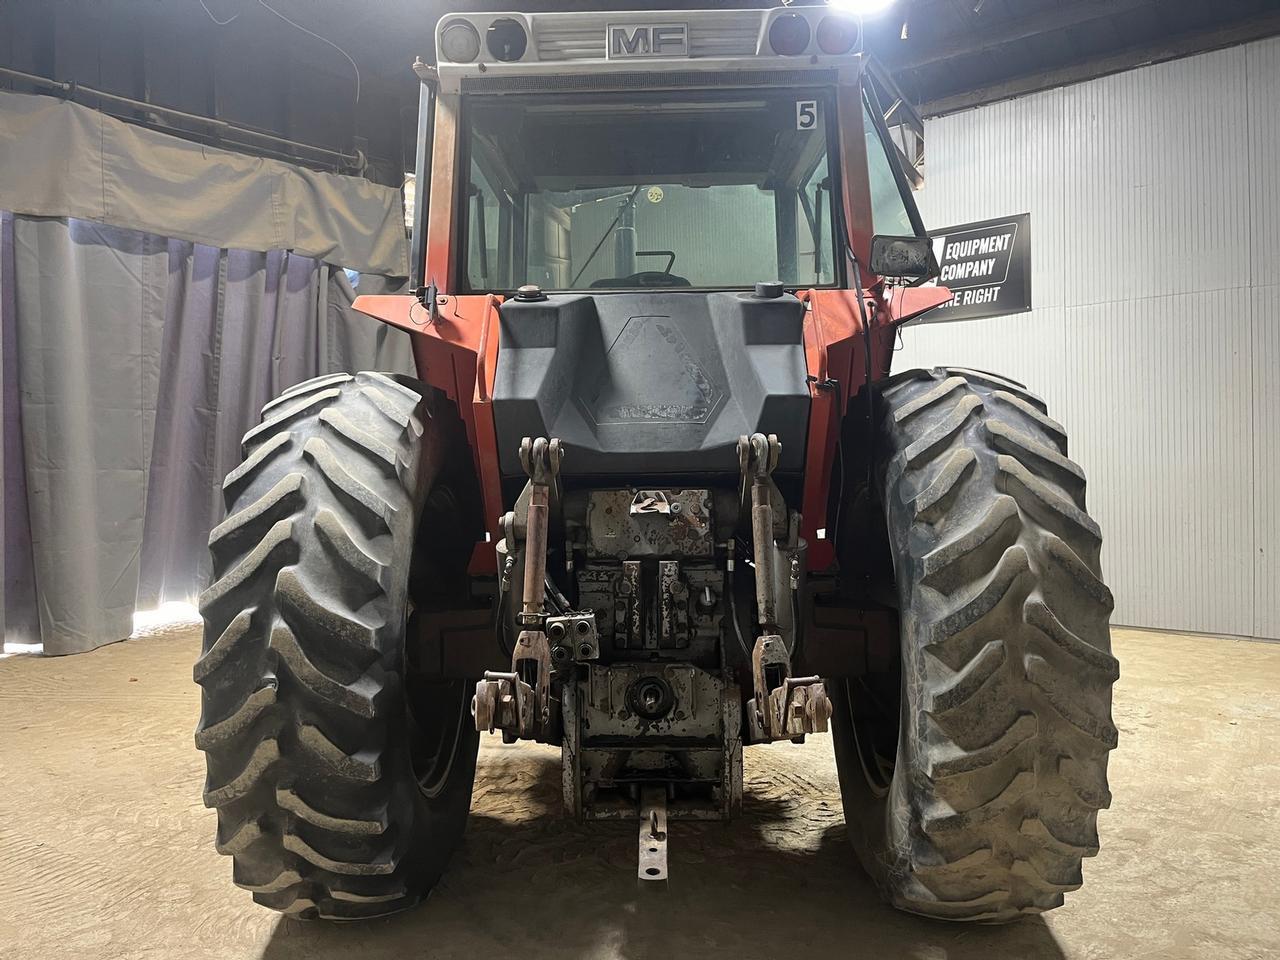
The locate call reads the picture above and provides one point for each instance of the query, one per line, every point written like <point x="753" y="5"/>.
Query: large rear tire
<point x="972" y="777"/>
<point x="342" y="782"/>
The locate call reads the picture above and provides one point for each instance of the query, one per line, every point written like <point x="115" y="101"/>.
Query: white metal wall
<point x="1155" y="217"/>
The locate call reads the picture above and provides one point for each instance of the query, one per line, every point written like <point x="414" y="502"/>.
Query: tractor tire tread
<point x="1006" y="746"/>
<point x="303" y="705"/>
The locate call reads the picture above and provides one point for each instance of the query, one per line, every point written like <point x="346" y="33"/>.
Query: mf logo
<point x="628" y="40"/>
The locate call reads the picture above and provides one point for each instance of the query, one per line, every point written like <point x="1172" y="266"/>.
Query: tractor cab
<point x="681" y="204"/>
<point x="701" y="151"/>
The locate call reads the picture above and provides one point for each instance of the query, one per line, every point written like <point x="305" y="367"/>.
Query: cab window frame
<point x="826" y="94"/>
<point x="873" y="109"/>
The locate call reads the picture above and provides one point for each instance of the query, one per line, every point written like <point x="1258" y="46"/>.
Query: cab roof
<point x="487" y="51"/>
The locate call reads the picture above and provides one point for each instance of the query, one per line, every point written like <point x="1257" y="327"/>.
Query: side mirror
<point x="903" y="257"/>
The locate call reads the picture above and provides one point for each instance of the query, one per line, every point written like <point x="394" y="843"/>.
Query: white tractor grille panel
<point x="561" y="37"/>
<point x="570" y="38"/>
<point x="731" y="35"/>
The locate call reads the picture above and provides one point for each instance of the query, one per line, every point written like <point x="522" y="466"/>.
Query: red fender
<point x="458" y="354"/>
<point x="835" y="352"/>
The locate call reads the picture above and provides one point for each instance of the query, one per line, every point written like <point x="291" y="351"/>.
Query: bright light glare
<point x="863" y="8"/>
<point x="169" y="614"/>
<point x="9" y="649"/>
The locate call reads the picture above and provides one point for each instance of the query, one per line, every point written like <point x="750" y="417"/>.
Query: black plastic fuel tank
<point x="651" y="384"/>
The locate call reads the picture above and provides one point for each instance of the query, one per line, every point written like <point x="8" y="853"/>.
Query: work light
<point x="507" y="40"/>
<point x="789" y="35"/>
<point x="863" y="8"/>
<point x="459" y="42"/>
<point x="837" y="35"/>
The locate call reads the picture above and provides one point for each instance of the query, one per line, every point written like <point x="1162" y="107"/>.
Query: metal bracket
<point x="517" y="703"/>
<point x="631" y="630"/>
<point x="673" y="605"/>
<point x="574" y="637"/>
<point x="652" y="870"/>
<point x="496" y="701"/>
<point x="802" y="706"/>
<point x="784" y="707"/>
<point x="652" y="501"/>
<point x="531" y="659"/>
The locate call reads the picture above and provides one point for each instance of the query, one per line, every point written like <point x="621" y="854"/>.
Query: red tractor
<point x="654" y="496"/>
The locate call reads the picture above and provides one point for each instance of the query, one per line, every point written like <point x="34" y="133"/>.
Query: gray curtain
<point x="132" y="365"/>
<point x="18" y="610"/>
<point x="62" y="159"/>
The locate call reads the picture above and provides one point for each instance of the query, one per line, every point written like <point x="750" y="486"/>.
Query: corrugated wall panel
<point x="1266" y="460"/>
<point x="1263" y="72"/>
<point x="1158" y="180"/>
<point x="1155" y="203"/>
<point x="1001" y="160"/>
<point x="1263" y="66"/>
<point x="1163" y="433"/>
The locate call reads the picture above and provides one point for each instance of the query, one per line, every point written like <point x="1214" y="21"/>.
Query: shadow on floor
<point x="528" y="883"/>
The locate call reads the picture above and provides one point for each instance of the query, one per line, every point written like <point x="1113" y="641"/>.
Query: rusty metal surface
<point x="541" y="460"/>
<point x="695" y="713"/>
<point x="518" y="702"/>
<point x="531" y="662"/>
<point x="802" y="706"/>
<point x="784" y="707"/>
<point x="627" y="523"/>
<point x="637" y="677"/>
<point x="678" y="614"/>
<point x="629" y="589"/>
<point x="635" y="724"/>
<point x="757" y="457"/>
<point x="535" y="554"/>
<point x="673" y="606"/>
<point x="762" y="541"/>
<point x="497" y="702"/>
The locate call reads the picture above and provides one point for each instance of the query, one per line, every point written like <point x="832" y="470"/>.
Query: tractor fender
<point x="836" y="355"/>
<point x="456" y="351"/>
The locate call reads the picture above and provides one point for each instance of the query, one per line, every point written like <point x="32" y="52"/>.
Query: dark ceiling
<point x="239" y="61"/>
<point x="960" y="53"/>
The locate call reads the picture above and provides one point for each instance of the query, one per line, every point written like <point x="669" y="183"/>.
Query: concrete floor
<point x="107" y="852"/>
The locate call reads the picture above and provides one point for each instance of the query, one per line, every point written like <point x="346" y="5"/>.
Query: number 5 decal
<point x="806" y="114"/>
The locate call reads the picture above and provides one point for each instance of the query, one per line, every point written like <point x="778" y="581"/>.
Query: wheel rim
<point x="435" y="745"/>
<point x="874" y="726"/>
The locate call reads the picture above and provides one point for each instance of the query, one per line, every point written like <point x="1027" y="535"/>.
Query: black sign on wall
<point x="987" y="266"/>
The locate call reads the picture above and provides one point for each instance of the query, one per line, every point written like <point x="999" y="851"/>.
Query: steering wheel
<point x="648" y="278"/>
